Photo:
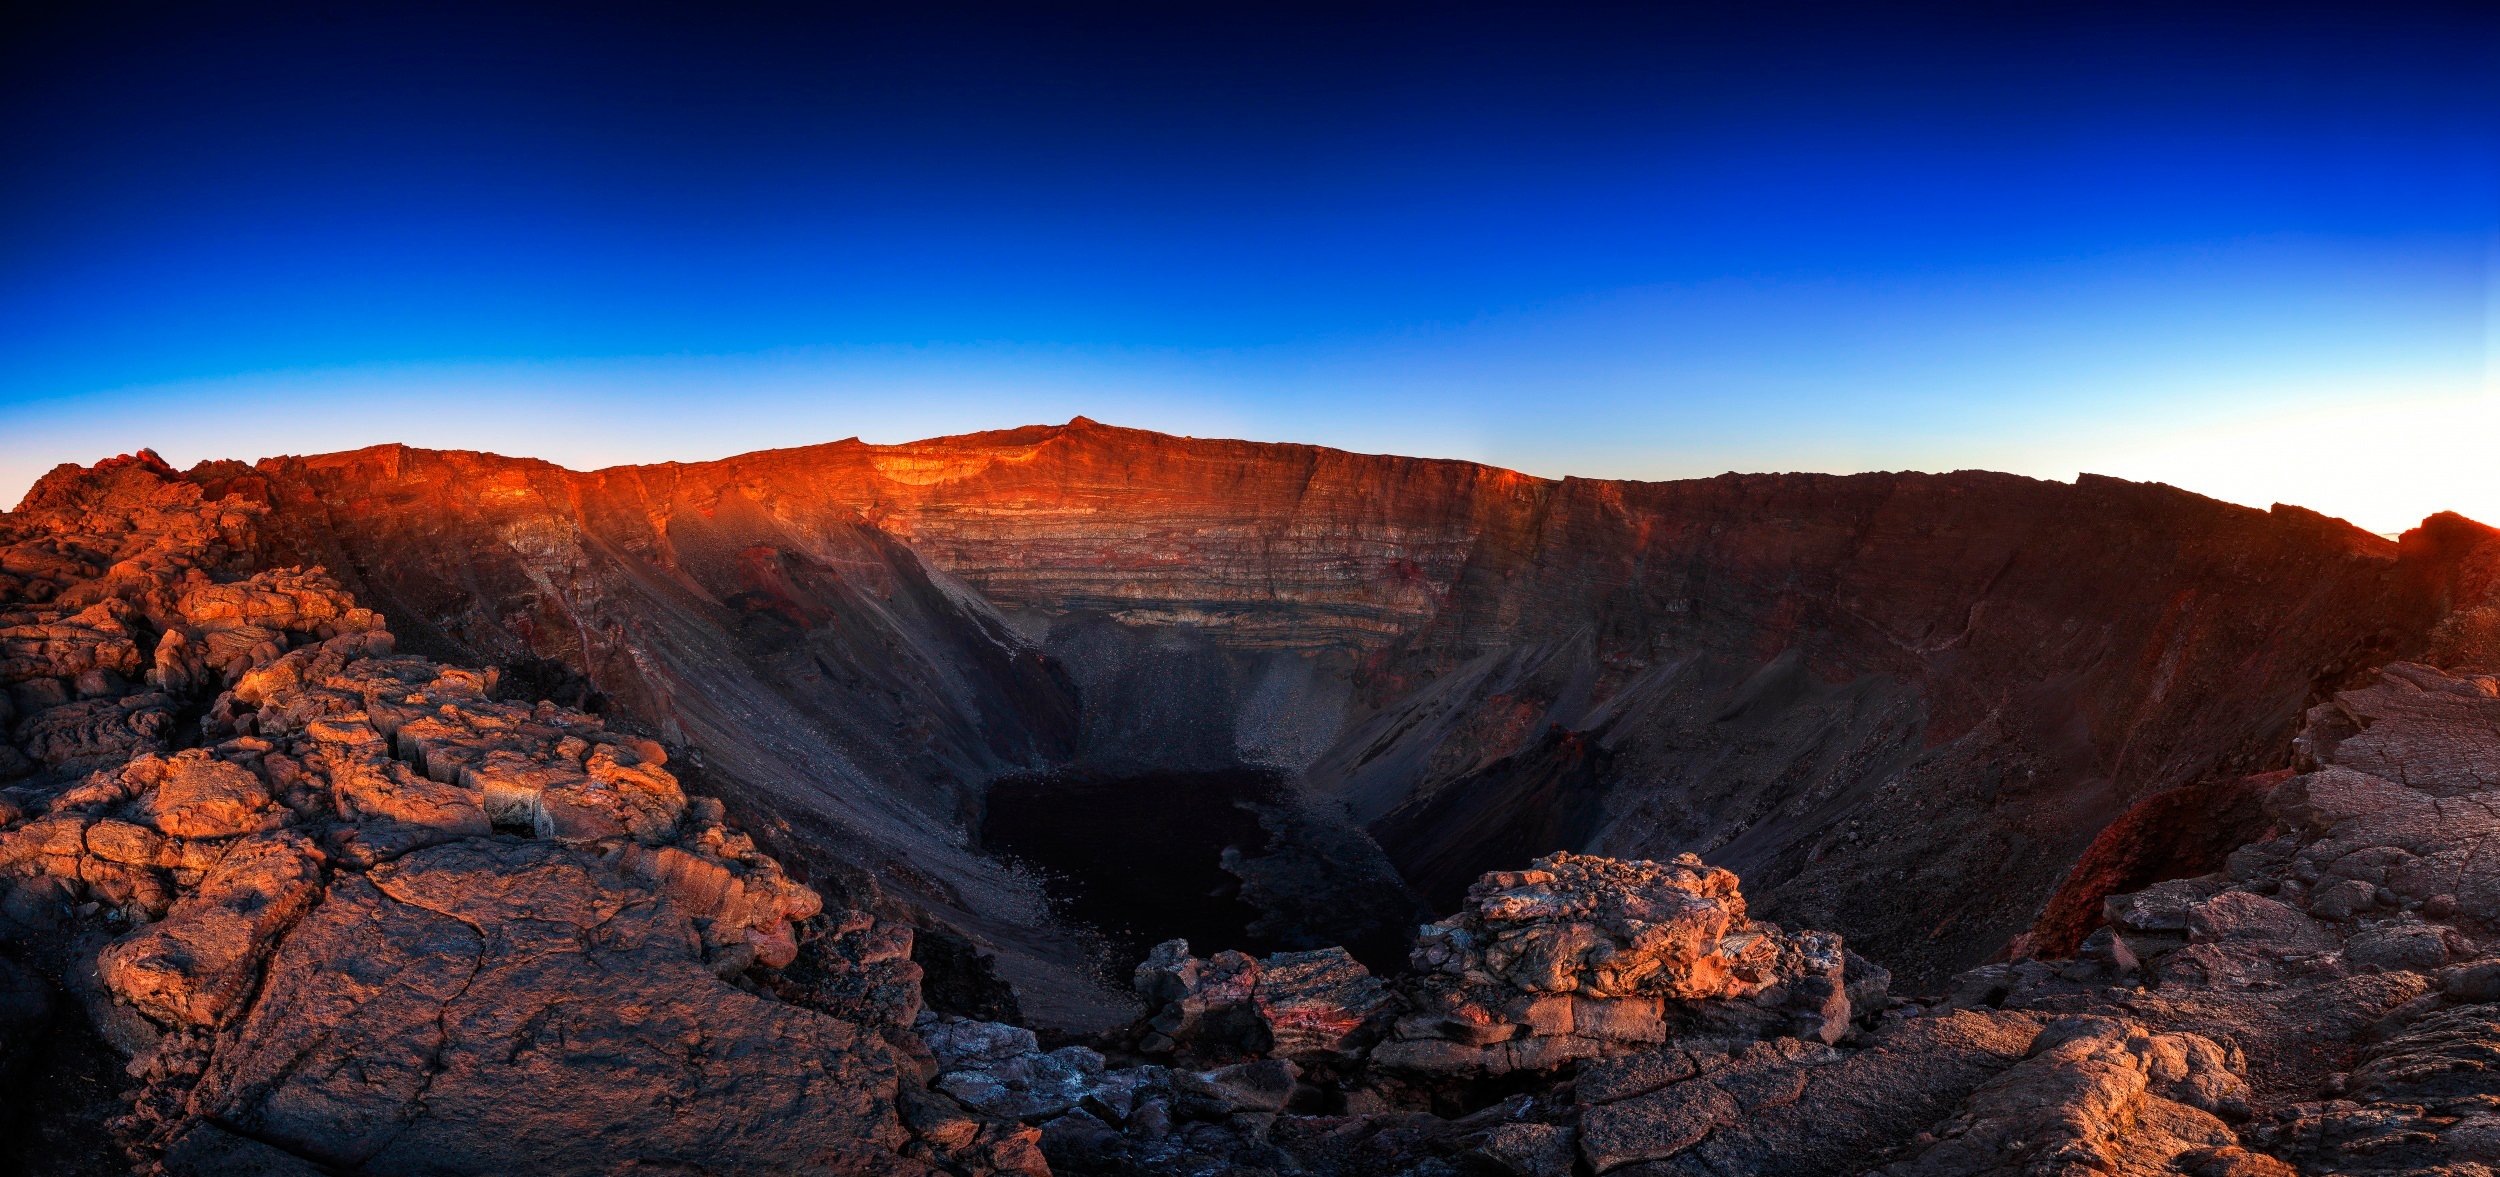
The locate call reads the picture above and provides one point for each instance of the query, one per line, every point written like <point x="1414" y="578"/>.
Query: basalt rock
<point x="1640" y="974"/>
<point x="1289" y="1004"/>
<point x="196" y="966"/>
<point x="2326" y="983"/>
<point x="355" y="914"/>
<point x="1580" y="957"/>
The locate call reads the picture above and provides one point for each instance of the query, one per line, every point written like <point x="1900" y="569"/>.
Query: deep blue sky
<point x="2250" y="252"/>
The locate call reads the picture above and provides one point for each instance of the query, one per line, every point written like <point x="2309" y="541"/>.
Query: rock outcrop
<point x="347" y="911"/>
<point x="1581" y="957"/>
<point x="1306" y="1062"/>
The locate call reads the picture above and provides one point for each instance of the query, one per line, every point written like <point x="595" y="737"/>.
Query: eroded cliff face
<point x="1844" y="687"/>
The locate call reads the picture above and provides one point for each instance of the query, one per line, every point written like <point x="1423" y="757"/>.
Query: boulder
<point x="196" y="967"/>
<point x="1201" y="1005"/>
<point x="1317" y="1002"/>
<point x="199" y="796"/>
<point x="1581" y="957"/>
<point x="1031" y="1085"/>
<point x="1599" y="926"/>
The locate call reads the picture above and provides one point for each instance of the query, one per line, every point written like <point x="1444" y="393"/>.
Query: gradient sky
<point x="2249" y="253"/>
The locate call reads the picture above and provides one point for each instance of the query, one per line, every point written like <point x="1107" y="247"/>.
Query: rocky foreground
<point x="2329" y="1002"/>
<point x="350" y="911"/>
<point x="334" y="909"/>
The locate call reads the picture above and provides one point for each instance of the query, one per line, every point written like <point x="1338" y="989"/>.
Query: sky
<point x="2250" y="252"/>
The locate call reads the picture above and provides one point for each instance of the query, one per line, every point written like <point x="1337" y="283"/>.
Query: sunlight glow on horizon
<point x="2359" y="380"/>
<point x="2254" y="259"/>
<point x="2377" y="459"/>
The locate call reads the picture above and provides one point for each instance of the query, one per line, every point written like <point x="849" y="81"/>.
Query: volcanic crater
<point x="980" y="723"/>
<point x="1842" y="687"/>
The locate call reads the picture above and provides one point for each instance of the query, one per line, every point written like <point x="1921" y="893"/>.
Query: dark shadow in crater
<point x="1139" y="859"/>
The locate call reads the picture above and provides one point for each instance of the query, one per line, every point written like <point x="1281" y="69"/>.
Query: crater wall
<point x="1843" y="687"/>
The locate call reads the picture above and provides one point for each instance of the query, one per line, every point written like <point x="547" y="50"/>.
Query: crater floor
<point x="1138" y="858"/>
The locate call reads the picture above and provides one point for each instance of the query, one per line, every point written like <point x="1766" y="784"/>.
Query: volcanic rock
<point x="1291" y="1004"/>
<point x="197" y="796"/>
<point x="194" y="967"/>
<point x="375" y="920"/>
<point x="1579" y="957"/>
<point x="2253" y="1035"/>
<point x="1317" y="1002"/>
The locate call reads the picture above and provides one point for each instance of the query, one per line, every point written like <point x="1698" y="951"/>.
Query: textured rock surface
<point x="400" y="1022"/>
<point x="2339" y="962"/>
<point x="350" y="912"/>
<point x="1582" y="957"/>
